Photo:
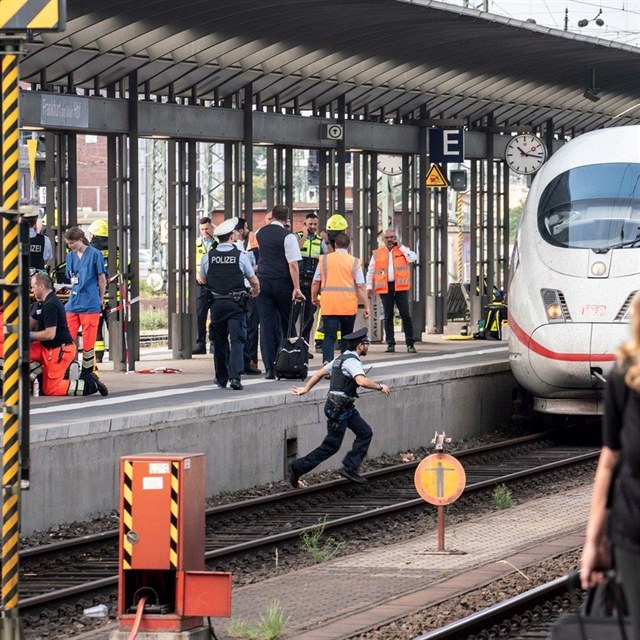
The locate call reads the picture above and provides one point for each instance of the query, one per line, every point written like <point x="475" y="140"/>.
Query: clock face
<point x="525" y="154"/>
<point x="390" y="165"/>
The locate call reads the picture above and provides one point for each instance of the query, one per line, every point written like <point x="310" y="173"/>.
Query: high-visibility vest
<point x="338" y="287"/>
<point x="402" y="275"/>
<point x="201" y="250"/>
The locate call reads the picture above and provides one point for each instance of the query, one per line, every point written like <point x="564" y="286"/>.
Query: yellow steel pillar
<point x="11" y="410"/>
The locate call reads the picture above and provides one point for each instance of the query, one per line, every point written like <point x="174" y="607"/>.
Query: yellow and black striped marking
<point x="127" y="515"/>
<point x="41" y="15"/>
<point x="11" y="366"/>
<point x="173" y="548"/>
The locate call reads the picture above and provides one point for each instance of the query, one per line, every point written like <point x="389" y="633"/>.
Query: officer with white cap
<point x="224" y="269"/>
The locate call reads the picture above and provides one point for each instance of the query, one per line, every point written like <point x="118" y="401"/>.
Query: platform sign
<point x="33" y="15"/>
<point x="436" y="178"/>
<point x="446" y="145"/>
<point x="440" y="479"/>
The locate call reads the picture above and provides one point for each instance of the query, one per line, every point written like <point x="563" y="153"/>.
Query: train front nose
<point x="566" y="355"/>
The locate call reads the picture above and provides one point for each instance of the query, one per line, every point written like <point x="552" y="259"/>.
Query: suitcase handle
<point x="300" y="317"/>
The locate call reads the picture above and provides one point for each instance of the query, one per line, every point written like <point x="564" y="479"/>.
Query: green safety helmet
<point x="99" y="228"/>
<point x="337" y="223"/>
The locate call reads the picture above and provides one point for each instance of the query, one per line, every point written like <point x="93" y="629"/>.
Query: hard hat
<point x="336" y="223"/>
<point x="99" y="228"/>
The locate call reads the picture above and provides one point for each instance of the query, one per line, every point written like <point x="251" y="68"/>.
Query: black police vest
<point x="224" y="274"/>
<point x="36" y="251"/>
<point x="273" y="261"/>
<point x="341" y="382"/>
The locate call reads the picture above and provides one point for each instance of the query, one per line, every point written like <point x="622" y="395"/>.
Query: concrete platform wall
<point x="75" y="469"/>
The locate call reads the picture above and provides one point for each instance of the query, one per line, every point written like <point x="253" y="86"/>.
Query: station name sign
<point x="446" y="145"/>
<point x="64" y="111"/>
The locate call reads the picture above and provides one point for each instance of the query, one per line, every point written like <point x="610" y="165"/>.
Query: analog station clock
<point x="525" y="153"/>
<point x="390" y="165"/>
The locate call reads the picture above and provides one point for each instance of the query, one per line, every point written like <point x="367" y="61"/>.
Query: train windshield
<point x="596" y="206"/>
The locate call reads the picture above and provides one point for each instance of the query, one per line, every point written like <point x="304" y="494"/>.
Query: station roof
<point x="389" y="55"/>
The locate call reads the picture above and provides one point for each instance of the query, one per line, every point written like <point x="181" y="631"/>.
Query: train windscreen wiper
<point x="619" y="245"/>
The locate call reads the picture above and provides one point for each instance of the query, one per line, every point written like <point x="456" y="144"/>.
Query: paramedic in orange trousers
<point x="53" y="346"/>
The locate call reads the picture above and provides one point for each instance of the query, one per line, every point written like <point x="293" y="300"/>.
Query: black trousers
<point x="333" y="442"/>
<point x="309" y="312"/>
<point x="229" y="327"/>
<point x="274" y="307"/>
<point x="401" y="300"/>
<point x="202" y="312"/>
<point x="253" y="322"/>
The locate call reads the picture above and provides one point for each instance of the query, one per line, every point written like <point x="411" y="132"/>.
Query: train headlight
<point x="554" y="312"/>
<point x="598" y="269"/>
<point x="555" y="306"/>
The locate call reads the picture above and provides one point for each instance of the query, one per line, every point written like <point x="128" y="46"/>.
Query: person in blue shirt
<point x="224" y="270"/>
<point x="87" y="274"/>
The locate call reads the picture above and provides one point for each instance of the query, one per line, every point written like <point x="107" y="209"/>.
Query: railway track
<point x="75" y="568"/>
<point x="527" y="616"/>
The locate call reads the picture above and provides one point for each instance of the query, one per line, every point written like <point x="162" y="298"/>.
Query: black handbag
<point x="601" y="616"/>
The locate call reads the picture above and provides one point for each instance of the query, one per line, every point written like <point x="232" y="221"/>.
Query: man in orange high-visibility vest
<point x="389" y="276"/>
<point x="340" y="281"/>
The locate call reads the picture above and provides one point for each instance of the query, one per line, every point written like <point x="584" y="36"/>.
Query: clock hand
<point x="533" y="155"/>
<point x="524" y="153"/>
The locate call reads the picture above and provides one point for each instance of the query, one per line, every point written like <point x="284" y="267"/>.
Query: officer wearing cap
<point x="347" y="375"/>
<point x="224" y="269"/>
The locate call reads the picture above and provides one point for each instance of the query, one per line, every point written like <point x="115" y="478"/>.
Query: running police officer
<point x="347" y="375"/>
<point x="224" y="269"/>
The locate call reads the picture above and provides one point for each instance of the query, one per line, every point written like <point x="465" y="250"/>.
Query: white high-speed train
<point x="575" y="268"/>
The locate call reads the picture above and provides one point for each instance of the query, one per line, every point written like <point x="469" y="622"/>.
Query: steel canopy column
<point x="341" y="159"/>
<point x="248" y="153"/>
<point x="491" y="212"/>
<point x="132" y="282"/>
<point x="288" y="176"/>
<point x="422" y="236"/>
<point x="172" y="250"/>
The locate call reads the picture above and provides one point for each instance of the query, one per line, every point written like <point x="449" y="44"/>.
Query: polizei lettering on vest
<point x="223" y="259"/>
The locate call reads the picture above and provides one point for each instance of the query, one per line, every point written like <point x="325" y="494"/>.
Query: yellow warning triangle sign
<point x="436" y="178"/>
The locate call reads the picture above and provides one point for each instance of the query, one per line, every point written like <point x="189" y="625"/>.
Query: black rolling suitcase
<point x="293" y="354"/>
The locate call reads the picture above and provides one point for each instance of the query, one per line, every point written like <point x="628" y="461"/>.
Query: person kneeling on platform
<point x="347" y="375"/>
<point x="52" y="345"/>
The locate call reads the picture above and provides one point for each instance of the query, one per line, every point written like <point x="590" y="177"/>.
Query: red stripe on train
<point x="536" y="347"/>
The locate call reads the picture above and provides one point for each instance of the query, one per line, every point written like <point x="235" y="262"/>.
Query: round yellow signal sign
<point x="440" y="479"/>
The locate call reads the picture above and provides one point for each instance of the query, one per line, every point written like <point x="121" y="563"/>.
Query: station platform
<point x="350" y="595"/>
<point x="248" y="436"/>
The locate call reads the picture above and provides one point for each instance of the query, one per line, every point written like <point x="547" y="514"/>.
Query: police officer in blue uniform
<point x="224" y="269"/>
<point x="347" y="375"/>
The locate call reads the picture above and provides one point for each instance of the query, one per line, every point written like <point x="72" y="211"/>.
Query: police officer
<point x="347" y="375"/>
<point x="312" y="246"/>
<point x="224" y="269"/>
<point x="204" y="244"/>
<point x="40" y="251"/>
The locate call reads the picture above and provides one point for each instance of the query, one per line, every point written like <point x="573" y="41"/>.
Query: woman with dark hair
<point x="615" y="508"/>
<point x="87" y="274"/>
